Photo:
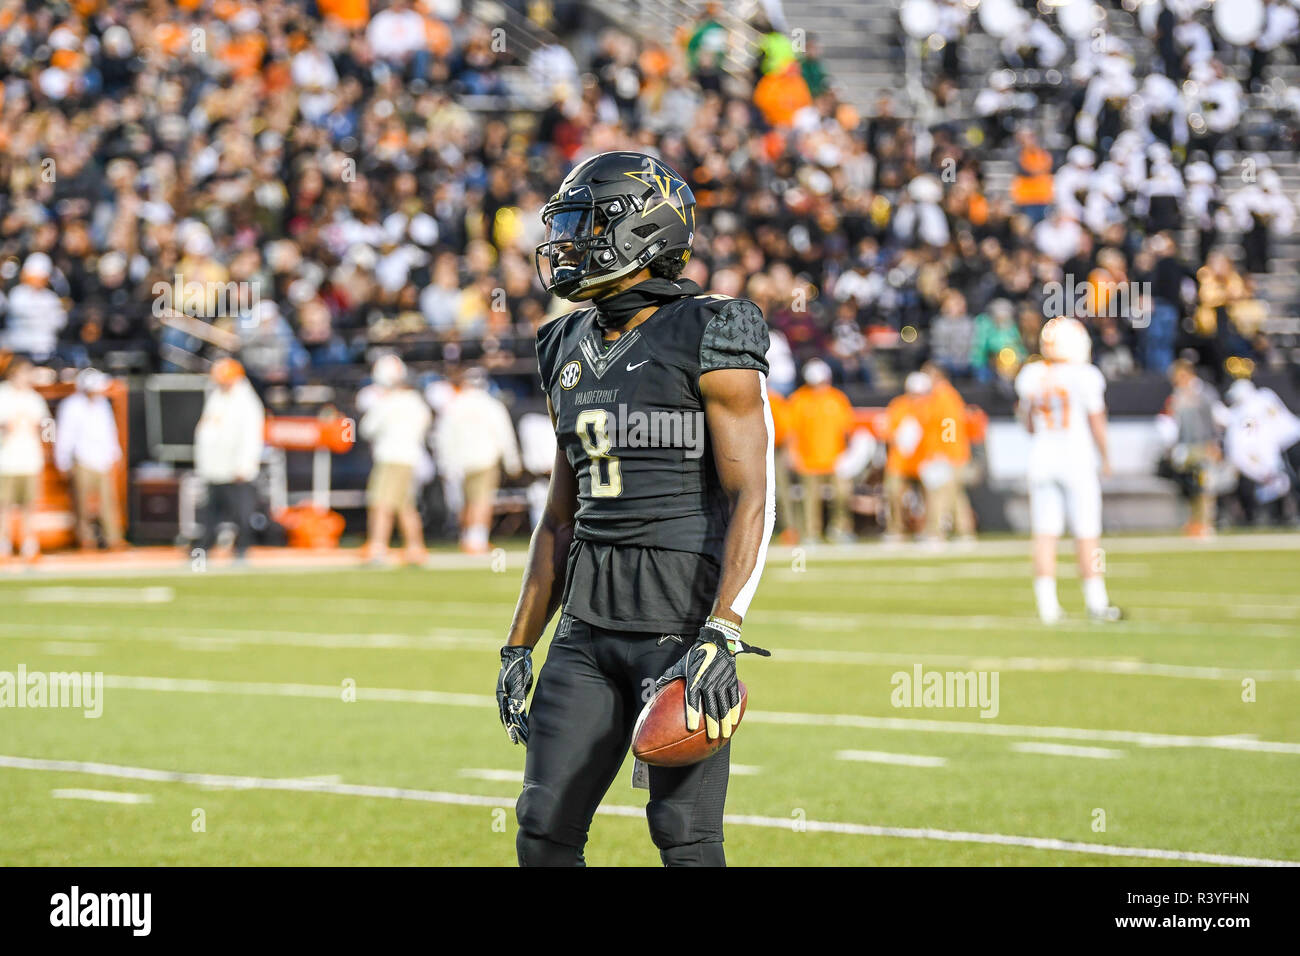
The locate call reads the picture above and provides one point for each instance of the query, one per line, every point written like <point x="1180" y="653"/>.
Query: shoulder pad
<point x="735" y="337"/>
<point x="551" y="338"/>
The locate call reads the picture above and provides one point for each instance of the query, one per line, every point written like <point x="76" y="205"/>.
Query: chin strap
<point x="615" y="311"/>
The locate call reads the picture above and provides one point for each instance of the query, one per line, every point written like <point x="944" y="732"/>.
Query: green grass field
<point x="224" y="710"/>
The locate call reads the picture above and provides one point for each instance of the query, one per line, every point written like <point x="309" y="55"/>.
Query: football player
<point x="660" y="507"/>
<point x="1062" y="403"/>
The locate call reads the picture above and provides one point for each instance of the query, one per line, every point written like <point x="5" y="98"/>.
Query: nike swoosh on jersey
<point x="633" y="368"/>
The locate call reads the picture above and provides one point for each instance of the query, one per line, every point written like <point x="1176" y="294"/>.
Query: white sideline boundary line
<point x="219" y="639"/>
<point x="71" y="595"/>
<point x="1239" y="742"/>
<point x="1016" y="547"/>
<point x="224" y="781"/>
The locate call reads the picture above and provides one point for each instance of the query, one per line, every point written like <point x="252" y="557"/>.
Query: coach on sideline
<point x="228" y="453"/>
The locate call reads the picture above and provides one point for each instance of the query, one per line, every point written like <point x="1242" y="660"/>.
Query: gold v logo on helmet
<point x="670" y="188"/>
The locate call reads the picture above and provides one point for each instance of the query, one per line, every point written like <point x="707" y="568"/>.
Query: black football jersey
<point x="651" y="513"/>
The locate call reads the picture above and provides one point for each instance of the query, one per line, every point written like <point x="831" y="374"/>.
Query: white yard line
<point x="947" y="573"/>
<point x="1067" y="750"/>
<point x="319" y="691"/>
<point x="487" y="773"/>
<point x="1041" y="664"/>
<point x="884" y="756"/>
<point x="849" y="621"/>
<point x="101" y="796"/>
<point x="71" y="648"/>
<point x="745" y="820"/>
<point x="66" y="595"/>
<point x="223" y="639"/>
<point x="1238" y="742"/>
<point x="211" y="637"/>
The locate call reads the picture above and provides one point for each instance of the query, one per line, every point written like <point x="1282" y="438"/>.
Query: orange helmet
<point x="1065" y="339"/>
<point x="227" y="371"/>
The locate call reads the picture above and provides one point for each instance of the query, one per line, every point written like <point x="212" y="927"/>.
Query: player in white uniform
<point x="1062" y="403"/>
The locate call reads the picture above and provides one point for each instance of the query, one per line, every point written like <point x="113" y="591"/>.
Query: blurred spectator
<point x="904" y="431"/>
<point x="820" y="419"/>
<point x="952" y="335"/>
<point x="23" y="414"/>
<point x="228" y="454"/>
<point x="396" y="423"/>
<point x="1262" y="211"/>
<point x="1031" y="189"/>
<point x="997" y="339"/>
<point x="86" y="451"/>
<point x="948" y="437"/>
<point x="1169" y="278"/>
<point x="1221" y="293"/>
<point x="34" y="312"/>
<point x="1259" y="434"/>
<point x="1194" y="453"/>
<point x="476" y="440"/>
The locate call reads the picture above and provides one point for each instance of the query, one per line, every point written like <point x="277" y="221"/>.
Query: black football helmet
<point x="613" y="215"/>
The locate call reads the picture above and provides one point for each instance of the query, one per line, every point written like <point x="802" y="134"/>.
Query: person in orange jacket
<point x="904" y="431"/>
<point x="781" y="94"/>
<point x="820" y="421"/>
<point x="785" y="518"/>
<point x="948" y="430"/>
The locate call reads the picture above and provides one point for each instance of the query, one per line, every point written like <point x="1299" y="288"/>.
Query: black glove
<point x="513" y="685"/>
<point x="709" y="669"/>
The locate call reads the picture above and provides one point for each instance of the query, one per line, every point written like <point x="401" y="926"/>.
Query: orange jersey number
<point x="1052" y="405"/>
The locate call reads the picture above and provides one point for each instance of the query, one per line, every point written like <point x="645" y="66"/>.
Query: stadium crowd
<point x="306" y="186"/>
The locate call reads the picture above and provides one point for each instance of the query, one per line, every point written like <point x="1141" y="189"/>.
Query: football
<point x="660" y="737"/>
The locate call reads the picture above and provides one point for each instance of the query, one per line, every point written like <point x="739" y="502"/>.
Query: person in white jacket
<point x="23" y="414"/>
<point x="228" y="443"/>
<point x="396" y="424"/>
<point x="86" y="451"/>
<point x="475" y="438"/>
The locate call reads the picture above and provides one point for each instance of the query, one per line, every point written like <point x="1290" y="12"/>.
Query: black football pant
<point x="589" y="693"/>
<point x="235" y="502"/>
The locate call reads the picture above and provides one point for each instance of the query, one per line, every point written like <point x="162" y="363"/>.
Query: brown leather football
<point x="660" y="737"/>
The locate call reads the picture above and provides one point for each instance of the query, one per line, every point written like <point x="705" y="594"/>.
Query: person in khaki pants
<point x="22" y="456"/>
<point x="904" y="431"/>
<point x="396" y="423"/>
<point x="820" y="419"/>
<point x="87" y="450"/>
<point x="946" y="453"/>
<point x="476" y="440"/>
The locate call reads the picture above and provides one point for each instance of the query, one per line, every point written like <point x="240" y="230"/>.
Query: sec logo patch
<point x="570" y="374"/>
